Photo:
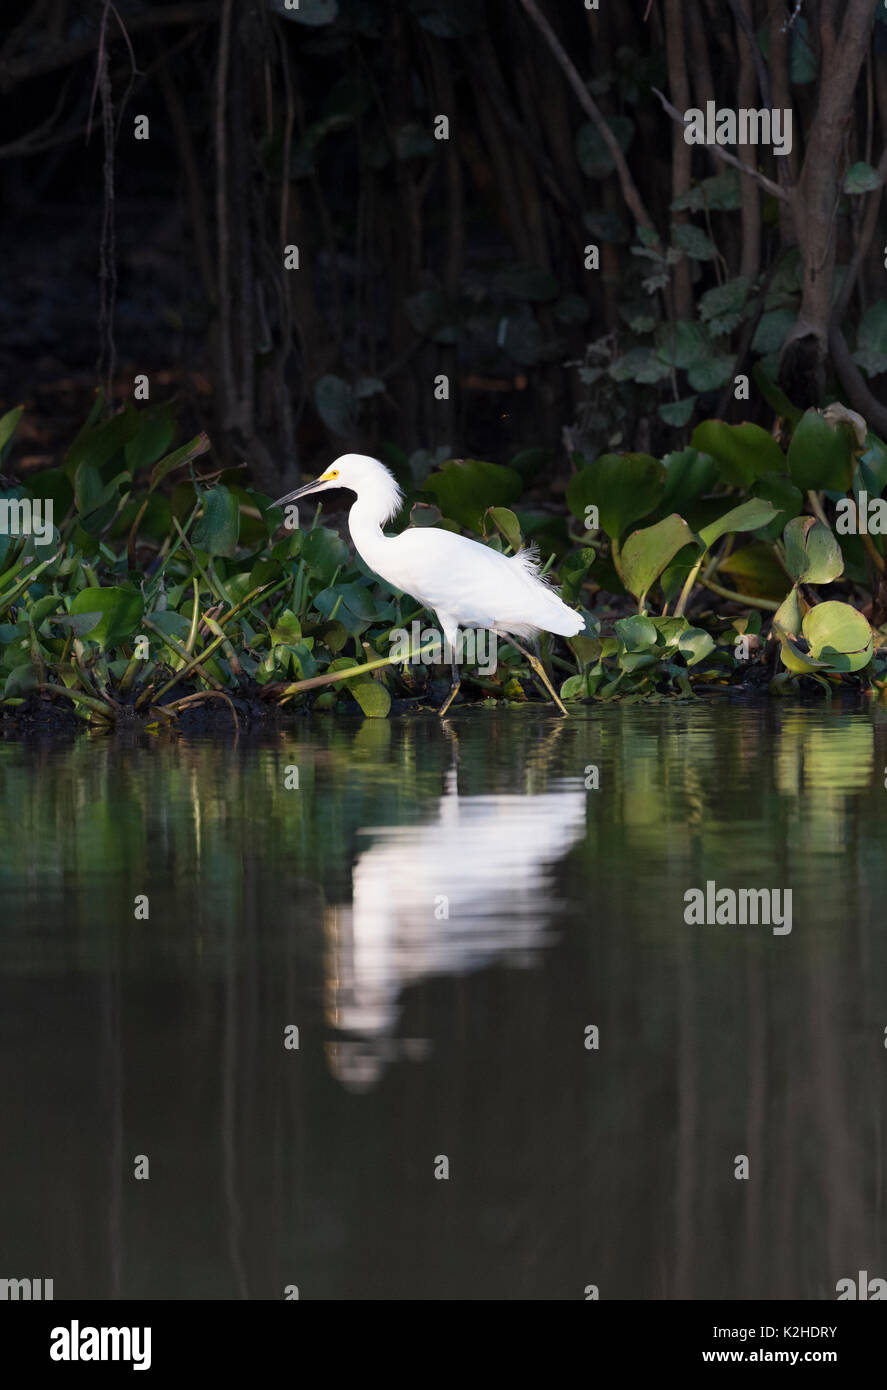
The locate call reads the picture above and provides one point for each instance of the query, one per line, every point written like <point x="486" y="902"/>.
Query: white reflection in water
<point x="445" y="897"/>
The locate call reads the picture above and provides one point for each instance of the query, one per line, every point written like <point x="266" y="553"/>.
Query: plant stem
<point x="770" y="604"/>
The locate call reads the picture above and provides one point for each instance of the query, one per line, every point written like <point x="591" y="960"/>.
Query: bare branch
<point x="629" y="188"/>
<point x="50" y="57"/>
<point x="721" y="153"/>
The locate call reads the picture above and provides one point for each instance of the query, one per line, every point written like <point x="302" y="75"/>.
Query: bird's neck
<point x="365" y="525"/>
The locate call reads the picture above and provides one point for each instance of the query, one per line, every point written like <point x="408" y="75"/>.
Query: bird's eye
<point x="334" y="473"/>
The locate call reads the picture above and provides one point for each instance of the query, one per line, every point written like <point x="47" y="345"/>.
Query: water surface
<point x="443" y="912"/>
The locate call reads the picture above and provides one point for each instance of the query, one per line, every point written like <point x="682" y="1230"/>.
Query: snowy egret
<point x="467" y="584"/>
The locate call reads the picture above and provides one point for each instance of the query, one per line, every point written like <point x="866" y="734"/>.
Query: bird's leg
<point x="536" y="663"/>
<point x="454" y="690"/>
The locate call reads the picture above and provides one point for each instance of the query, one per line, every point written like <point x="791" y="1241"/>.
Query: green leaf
<point x="777" y="489"/>
<point x="287" y="629"/>
<point x="839" y="635"/>
<point x="574" y="688"/>
<point x="861" y="178"/>
<point x="821" y="454"/>
<point x="594" y="157"/>
<point x="324" y="552"/>
<point x="720" y="193"/>
<point x="192" y="450"/>
<point x="9" y="425"/>
<point x="506" y="523"/>
<point x="641" y="364"/>
<point x="646" y="553"/>
<point x="624" y="487"/>
<point x="755" y="570"/>
<point x="688" y="345"/>
<point x="743" y="452"/>
<point x="572" y="572"/>
<point x="677" y="413"/>
<point x="711" y="374"/>
<point x="722" y="307"/>
<point x="695" y="645"/>
<point x="688" y="475"/>
<point x="373" y="698"/>
<point x="693" y="241"/>
<point x="152" y="438"/>
<point x="20" y="681"/>
<point x="636" y="634"/>
<point x="812" y="552"/>
<point x="218" y="529"/>
<point x="748" y="516"/>
<point x="772" y="330"/>
<point x="465" y="488"/>
<point x="120" y="612"/>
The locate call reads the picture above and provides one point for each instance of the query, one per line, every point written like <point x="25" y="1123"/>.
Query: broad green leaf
<point x="120" y="612"/>
<point x="465" y="488"/>
<point x="574" y="688"/>
<point x="646" y="553"/>
<point x="20" y="681"/>
<point x="688" y="475"/>
<point x="812" y="552"/>
<point x="152" y="438"/>
<point x="755" y="570"/>
<point x="743" y="452"/>
<point x="695" y="645"/>
<point x="218" y="529"/>
<point x="324" y="552"/>
<point x="636" y="634"/>
<point x="839" y="635"/>
<point x="788" y="616"/>
<point x="779" y="490"/>
<point x="821" y="454"/>
<point x="373" y="698"/>
<point x="287" y="629"/>
<point x="506" y="523"/>
<point x="624" y="487"/>
<point x="748" y="516"/>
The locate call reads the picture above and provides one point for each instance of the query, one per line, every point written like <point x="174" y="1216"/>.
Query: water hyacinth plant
<point x="163" y="583"/>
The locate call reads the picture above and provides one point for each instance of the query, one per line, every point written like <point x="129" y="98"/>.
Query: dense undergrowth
<point x="164" y="583"/>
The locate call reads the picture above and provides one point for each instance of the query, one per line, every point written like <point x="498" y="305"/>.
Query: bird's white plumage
<point x="466" y="583"/>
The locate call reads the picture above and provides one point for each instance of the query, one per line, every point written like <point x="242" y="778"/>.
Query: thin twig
<point x="721" y="153"/>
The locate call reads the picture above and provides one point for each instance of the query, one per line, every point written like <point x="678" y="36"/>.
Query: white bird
<point x="467" y="584"/>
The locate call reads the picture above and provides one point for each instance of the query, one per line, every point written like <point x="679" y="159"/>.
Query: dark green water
<point x="442" y="912"/>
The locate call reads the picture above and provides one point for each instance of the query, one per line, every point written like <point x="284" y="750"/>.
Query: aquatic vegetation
<point x="140" y="579"/>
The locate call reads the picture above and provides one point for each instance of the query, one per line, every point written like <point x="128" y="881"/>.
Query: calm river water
<point x="333" y="994"/>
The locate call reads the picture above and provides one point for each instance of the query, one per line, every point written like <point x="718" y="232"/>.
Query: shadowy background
<point x="422" y="257"/>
